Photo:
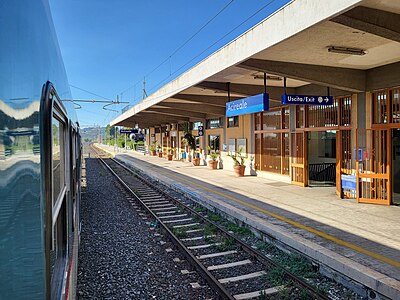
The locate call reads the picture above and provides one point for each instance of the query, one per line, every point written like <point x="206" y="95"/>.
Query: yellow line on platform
<point x="294" y="223"/>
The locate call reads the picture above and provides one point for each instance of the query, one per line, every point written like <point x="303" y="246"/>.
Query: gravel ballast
<point x="120" y="257"/>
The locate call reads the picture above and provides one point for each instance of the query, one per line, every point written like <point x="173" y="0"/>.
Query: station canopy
<point x="347" y="45"/>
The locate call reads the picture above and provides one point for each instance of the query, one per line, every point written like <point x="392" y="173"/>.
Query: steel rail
<point x="253" y="252"/>
<point x="211" y="280"/>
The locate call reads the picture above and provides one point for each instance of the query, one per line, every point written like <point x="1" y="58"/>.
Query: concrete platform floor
<point x="361" y="241"/>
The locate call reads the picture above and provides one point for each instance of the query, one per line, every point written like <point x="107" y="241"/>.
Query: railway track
<point x="232" y="268"/>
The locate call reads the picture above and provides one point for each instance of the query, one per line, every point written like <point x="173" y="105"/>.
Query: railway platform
<point x="360" y="241"/>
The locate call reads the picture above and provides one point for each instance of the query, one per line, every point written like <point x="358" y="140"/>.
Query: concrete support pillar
<point x="224" y="140"/>
<point x="252" y="136"/>
<point x="362" y="120"/>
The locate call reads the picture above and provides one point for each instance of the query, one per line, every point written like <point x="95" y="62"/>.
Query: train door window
<point x="59" y="210"/>
<point x="58" y="158"/>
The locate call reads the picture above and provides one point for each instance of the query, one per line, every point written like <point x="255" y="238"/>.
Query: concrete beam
<point x="147" y="119"/>
<point x="210" y="100"/>
<point x="149" y="116"/>
<point x="378" y="22"/>
<point x="383" y="77"/>
<point x="341" y="78"/>
<point x="195" y="107"/>
<point x="126" y="123"/>
<point x="313" y="89"/>
<point x="176" y="112"/>
<point x="274" y="92"/>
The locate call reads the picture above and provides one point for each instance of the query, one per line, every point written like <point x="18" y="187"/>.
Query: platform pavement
<point x="361" y="241"/>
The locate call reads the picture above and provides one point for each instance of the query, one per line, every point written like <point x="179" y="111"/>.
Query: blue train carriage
<point x="40" y="158"/>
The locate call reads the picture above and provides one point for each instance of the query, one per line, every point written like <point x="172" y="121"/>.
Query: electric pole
<point x="144" y="88"/>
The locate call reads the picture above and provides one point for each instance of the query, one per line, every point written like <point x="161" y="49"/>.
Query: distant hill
<point x="90" y="134"/>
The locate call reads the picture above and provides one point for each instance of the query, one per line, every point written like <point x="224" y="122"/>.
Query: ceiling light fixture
<point x="345" y="50"/>
<point x="272" y="78"/>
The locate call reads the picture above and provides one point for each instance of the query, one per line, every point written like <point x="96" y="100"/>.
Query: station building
<point x="344" y="51"/>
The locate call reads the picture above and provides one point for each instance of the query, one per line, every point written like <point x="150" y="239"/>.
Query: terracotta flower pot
<point x="239" y="170"/>
<point x="170" y="156"/>
<point x="160" y="154"/>
<point x="196" y="161"/>
<point x="153" y="152"/>
<point x="212" y="164"/>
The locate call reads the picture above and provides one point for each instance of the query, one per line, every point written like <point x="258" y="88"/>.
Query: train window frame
<point x="56" y="251"/>
<point x="57" y="201"/>
<point x="61" y="118"/>
<point x="59" y="215"/>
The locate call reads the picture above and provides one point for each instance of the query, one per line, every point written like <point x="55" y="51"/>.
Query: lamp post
<point x="115" y="139"/>
<point x="125" y="142"/>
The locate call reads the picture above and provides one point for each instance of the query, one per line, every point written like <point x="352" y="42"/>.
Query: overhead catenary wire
<point x="181" y="46"/>
<point x="89" y="92"/>
<point x="225" y="35"/>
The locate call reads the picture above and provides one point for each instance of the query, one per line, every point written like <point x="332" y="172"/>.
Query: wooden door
<point x="373" y="176"/>
<point x="298" y="159"/>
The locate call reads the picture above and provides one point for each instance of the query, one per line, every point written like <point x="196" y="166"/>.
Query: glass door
<point x="322" y="158"/>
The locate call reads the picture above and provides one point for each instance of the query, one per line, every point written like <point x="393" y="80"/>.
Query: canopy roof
<point x="292" y="43"/>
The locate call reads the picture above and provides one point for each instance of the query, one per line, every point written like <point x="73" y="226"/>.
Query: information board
<point x="231" y="146"/>
<point x="242" y="146"/>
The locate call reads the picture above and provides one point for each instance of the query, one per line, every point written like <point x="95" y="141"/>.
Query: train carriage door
<point x="373" y="176"/>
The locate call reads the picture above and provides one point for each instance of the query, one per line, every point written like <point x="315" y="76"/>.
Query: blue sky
<point x="109" y="46"/>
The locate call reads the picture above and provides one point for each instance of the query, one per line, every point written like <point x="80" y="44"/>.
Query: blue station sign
<point x="249" y="105"/>
<point x="128" y="131"/>
<point x="308" y="100"/>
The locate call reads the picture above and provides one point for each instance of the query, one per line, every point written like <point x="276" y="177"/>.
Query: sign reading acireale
<point x="249" y="105"/>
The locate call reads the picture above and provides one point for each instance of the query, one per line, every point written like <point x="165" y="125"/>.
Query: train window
<point x="59" y="210"/>
<point x="59" y="251"/>
<point x="58" y="158"/>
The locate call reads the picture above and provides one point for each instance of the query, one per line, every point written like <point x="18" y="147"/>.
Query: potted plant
<point x="196" y="158"/>
<point x="238" y="160"/>
<point x="191" y="142"/>
<point x="159" y="150"/>
<point x="170" y="154"/>
<point x="212" y="163"/>
<point x="152" y="148"/>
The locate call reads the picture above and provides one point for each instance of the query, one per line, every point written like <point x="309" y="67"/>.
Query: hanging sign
<point x="306" y="99"/>
<point x="249" y="105"/>
<point x="128" y="131"/>
<point x="200" y="130"/>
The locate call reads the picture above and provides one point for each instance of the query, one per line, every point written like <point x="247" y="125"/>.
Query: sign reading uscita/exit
<point x="249" y="105"/>
<point x="310" y="100"/>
